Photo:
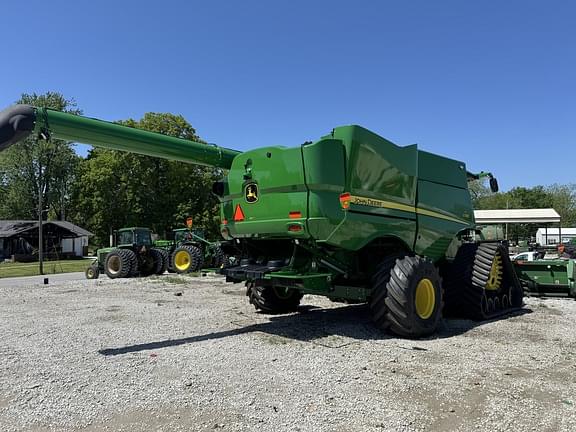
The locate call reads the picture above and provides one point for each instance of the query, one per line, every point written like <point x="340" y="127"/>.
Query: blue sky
<point x="492" y="83"/>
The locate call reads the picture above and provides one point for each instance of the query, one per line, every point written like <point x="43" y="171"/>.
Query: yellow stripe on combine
<point x="371" y="202"/>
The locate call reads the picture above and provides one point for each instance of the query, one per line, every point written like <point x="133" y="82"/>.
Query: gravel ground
<point x="176" y="353"/>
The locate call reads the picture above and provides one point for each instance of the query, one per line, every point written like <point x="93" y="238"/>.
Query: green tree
<point x="33" y="167"/>
<point x="563" y="200"/>
<point x="117" y="189"/>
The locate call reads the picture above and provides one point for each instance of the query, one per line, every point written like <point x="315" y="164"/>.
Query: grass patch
<point x="50" y="267"/>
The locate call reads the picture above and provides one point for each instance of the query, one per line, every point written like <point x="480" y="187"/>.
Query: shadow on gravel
<point x="315" y="325"/>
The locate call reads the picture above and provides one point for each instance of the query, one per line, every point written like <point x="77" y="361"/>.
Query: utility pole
<point x="40" y="238"/>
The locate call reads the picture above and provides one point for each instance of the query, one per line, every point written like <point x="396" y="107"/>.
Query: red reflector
<point x="345" y="200"/>
<point x="295" y="215"/>
<point x="238" y="214"/>
<point x="294" y="228"/>
<point x="224" y="222"/>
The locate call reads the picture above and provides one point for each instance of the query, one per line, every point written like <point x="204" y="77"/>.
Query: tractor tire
<point x="118" y="263"/>
<point x="273" y="300"/>
<point x="187" y="259"/>
<point x="151" y="263"/>
<point x="160" y="260"/>
<point x="482" y="283"/>
<point x="407" y="296"/>
<point x="218" y="257"/>
<point x="92" y="272"/>
<point x="135" y="271"/>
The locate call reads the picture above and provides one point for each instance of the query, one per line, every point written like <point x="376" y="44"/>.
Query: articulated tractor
<point x="350" y="216"/>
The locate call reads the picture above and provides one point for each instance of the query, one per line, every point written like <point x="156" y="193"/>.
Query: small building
<point x="551" y="236"/>
<point x="61" y="240"/>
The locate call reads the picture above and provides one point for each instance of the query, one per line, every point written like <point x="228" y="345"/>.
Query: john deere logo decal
<point x="251" y="193"/>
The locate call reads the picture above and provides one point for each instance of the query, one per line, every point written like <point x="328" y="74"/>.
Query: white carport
<point x="522" y="216"/>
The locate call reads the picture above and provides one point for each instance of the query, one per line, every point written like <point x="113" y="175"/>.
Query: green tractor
<point x="189" y="251"/>
<point x="133" y="254"/>
<point x="350" y="216"/>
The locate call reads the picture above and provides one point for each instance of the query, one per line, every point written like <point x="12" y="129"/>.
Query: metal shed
<point x="19" y="239"/>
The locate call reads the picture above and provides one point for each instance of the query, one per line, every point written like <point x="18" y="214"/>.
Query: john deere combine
<point x="351" y="216"/>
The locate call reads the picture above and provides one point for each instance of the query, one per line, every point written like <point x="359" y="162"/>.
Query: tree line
<point x="108" y="189"/>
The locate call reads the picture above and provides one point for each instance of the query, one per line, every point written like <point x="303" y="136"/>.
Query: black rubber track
<point x="465" y="282"/>
<point x="266" y="299"/>
<point x="393" y="304"/>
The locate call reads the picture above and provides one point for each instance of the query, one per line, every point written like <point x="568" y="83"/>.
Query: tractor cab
<point x="133" y="237"/>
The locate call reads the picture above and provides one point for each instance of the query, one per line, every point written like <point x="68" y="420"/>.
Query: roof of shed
<point x="9" y="228"/>
<point x="545" y="215"/>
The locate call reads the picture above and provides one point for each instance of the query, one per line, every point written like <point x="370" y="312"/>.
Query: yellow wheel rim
<point x="495" y="277"/>
<point x="425" y="298"/>
<point x="182" y="260"/>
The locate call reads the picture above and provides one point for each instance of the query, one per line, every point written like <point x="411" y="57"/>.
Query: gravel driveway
<point x="177" y="353"/>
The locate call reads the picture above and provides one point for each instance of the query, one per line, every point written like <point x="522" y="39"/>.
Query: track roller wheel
<point x="273" y="300"/>
<point x="481" y="283"/>
<point x="407" y="296"/>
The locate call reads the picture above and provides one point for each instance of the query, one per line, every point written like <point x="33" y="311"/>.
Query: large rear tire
<point x="273" y="300"/>
<point x="118" y="263"/>
<point x="160" y="258"/>
<point x="186" y="259"/>
<point x="407" y="296"/>
<point x="165" y="260"/>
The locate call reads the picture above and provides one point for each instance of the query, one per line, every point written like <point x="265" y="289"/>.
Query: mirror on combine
<point x="493" y="184"/>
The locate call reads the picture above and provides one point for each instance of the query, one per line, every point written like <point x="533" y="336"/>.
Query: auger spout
<point x="19" y="121"/>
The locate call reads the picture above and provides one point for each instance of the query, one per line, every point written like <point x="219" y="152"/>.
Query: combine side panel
<point x="444" y="205"/>
<point x="325" y="169"/>
<point x="381" y="180"/>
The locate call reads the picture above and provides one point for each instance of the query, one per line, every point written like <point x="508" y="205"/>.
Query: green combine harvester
<point x="351" y="216"/>
<point x="133" y="254"/>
